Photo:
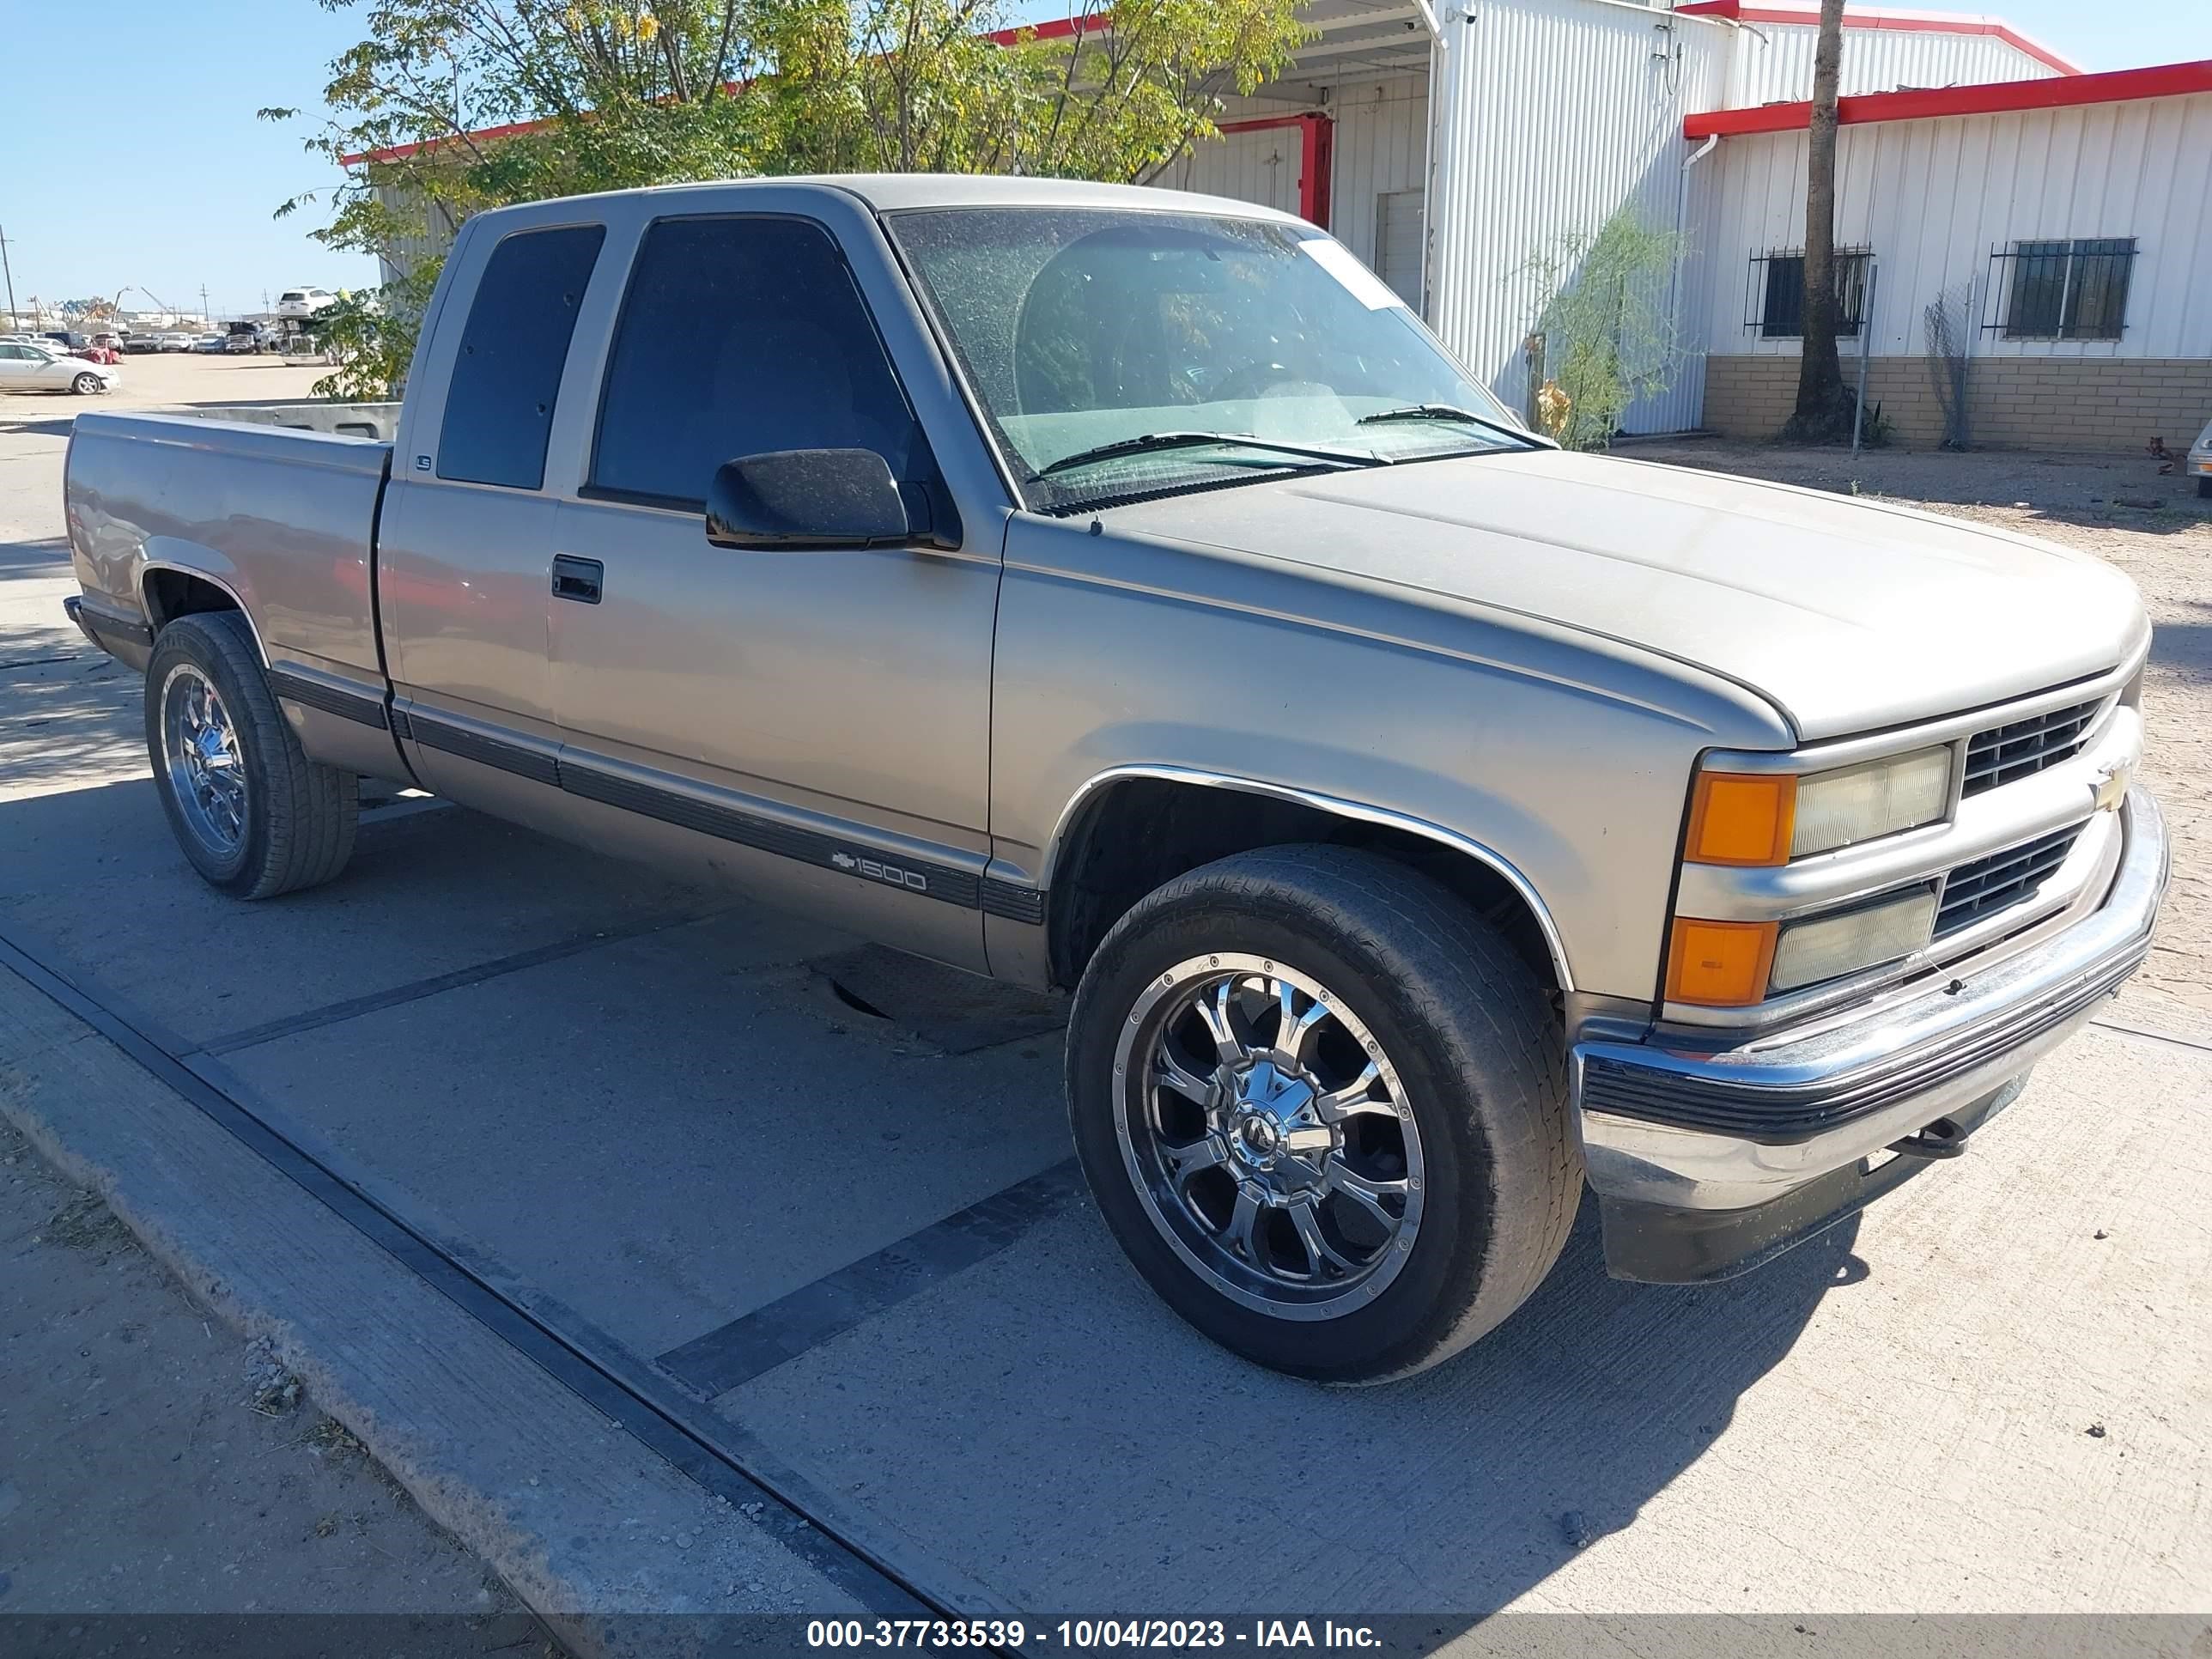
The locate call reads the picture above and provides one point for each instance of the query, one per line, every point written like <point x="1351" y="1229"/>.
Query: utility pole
<point x="9" y="271"/>
<point x="206" y="316"/>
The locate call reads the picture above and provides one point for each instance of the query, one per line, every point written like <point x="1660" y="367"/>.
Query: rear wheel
<point x="254" y="815"/>
<point x="1322" y="1107"/>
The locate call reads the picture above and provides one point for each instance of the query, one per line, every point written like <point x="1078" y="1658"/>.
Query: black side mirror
<point x="802" y="498"/>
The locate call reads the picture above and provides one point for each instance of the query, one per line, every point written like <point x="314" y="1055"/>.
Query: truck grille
<point x="1987" y="885"/>
<point x="2005" y="754"/>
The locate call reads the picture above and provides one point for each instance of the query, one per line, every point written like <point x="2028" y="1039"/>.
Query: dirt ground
<point x="2156" y="529"/>
<point x="151" y="1461"/>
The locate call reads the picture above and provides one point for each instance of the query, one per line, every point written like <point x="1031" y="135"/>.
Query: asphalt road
<point x="647" y="1111"/>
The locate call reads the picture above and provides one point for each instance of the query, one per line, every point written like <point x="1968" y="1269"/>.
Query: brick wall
<point x="2023" y="403"/>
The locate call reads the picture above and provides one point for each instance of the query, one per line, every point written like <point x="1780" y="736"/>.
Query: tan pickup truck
<point x="1121" y="592"/>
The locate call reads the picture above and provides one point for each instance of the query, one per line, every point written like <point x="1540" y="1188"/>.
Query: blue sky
<point x="145" y="166"/>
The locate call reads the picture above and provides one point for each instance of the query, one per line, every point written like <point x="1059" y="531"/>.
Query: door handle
<point x="577" y="579"/>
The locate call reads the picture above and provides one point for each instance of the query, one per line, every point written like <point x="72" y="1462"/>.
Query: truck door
<point x="815" y="724"/>
<point x="464" y="538"/>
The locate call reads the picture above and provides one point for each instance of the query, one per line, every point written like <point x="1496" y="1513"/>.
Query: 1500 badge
<point x="877" y="870"/>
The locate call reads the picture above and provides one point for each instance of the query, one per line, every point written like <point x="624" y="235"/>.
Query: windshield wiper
<point x="1437" y="412"/>
<point x="1151" y="442"/>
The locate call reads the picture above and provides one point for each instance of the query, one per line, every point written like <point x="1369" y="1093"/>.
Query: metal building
<point x="1454" y="149"/>
<point x="1997" y="206"/>
<point x="2051" y="239"/>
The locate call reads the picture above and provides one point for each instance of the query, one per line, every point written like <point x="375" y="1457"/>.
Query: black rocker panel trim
<point x="121" y="629"/>
<point x="1011" y="902"/>
<point x="316" y="694"/>
<point x="924" y="879"/>
<point x="431" y="732"/>
<point x="927" y="880"/>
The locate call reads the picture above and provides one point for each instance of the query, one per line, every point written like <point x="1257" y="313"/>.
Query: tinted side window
<point x="499" y="408"/>
<point x="738" y="336"/>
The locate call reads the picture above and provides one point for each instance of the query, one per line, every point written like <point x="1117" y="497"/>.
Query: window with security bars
<point x="1775" y="308"/>
<point x="2073" y="288"/>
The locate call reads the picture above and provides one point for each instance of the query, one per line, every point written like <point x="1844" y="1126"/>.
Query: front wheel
<point x="85" y="384"/>
<point x="254" y="815"/>
<point x="1322" y="1106"/>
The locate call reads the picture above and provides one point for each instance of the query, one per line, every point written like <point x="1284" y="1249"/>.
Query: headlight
<point x="1828" y="947"/>
<point x="1858" y="803"/>
<point x="1749" y="818"/>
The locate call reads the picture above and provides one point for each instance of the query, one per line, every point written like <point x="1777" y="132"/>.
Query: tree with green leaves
<point x="461" y="105"/>
<point x="1608" y="335"/>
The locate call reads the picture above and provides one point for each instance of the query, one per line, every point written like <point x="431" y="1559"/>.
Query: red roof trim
<point x="1921" y="23"/>
<point x="401" y="152"/>
<point x="1996" y="98"/>
<point x="1056" y="28"/>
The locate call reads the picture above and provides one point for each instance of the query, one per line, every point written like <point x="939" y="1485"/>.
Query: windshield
<point x="1120" y="354"/>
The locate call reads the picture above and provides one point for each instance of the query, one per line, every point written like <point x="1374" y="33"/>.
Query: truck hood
<point x="1848" y="616"/>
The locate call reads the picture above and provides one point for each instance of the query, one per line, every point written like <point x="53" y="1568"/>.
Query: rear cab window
<point x="506" y="372"/>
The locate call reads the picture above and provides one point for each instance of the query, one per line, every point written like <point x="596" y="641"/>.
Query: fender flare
<point x="1465" y="845"/>
<point x="200" y="572"/>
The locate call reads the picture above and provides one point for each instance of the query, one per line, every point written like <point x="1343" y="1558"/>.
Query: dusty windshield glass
<point x="1119" y="354"/>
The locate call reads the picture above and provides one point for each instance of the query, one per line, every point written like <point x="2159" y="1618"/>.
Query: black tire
<point x="299" y="816"/>
<point x="2204" y="487"/>
<point x="1472" y="1039"/>
<point x="85" y="384"/>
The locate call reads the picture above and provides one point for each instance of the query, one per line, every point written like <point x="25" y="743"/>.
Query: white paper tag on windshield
<point x="1341" y="263"/>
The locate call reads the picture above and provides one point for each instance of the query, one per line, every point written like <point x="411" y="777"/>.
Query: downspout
<point x="1682" y="247"/>
<point x="1433" y="178"/>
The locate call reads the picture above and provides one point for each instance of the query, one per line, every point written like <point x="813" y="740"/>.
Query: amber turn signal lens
<point x="1741" y="817"/>
<point x="1720" y="965"/>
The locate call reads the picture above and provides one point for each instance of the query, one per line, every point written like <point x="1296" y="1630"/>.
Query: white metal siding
<point x="1933" y="198"/>
<point x="403" y="255"/>
<point x="1774" y="62"/>
<point x="1553" y="114"/>
<point x="1261" y="165"/>
<point x="1382" y="150"/>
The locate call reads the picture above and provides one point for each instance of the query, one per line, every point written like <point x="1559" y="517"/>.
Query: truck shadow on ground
<point x="2185" y="647"/>
<point x="1037" y="1421"/>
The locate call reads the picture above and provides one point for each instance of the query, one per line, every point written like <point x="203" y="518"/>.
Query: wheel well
<point x="173" y="594"/>
<point x="1137" y="833"/>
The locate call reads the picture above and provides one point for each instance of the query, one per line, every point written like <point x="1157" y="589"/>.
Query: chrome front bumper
<point x="1675" y="1130"/>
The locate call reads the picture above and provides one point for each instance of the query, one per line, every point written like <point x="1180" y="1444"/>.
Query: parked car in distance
<point x="2200" y="461"/>
<point x="246" y="337"/>
<point x="136" y="345"/>
<point x="68" y="339"/>
<point x="173" y="340"/>
<point x="39" y="367"/>
<point x="297" y="303"/>
<point x="211" y="342"/>
<point x="1120" y="592"/>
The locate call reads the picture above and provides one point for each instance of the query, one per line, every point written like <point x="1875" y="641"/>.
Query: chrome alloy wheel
<point x="199" y="745"/>
<point x="1267" y="1136"/>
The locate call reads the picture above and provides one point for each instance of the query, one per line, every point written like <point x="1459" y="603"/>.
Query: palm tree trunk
<point x="1823" y="406"/>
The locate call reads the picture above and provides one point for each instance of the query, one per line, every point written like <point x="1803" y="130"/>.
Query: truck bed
<point x="282" y="519"/>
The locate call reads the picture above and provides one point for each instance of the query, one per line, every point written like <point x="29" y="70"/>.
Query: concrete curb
<point x="581" y="1521"/>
